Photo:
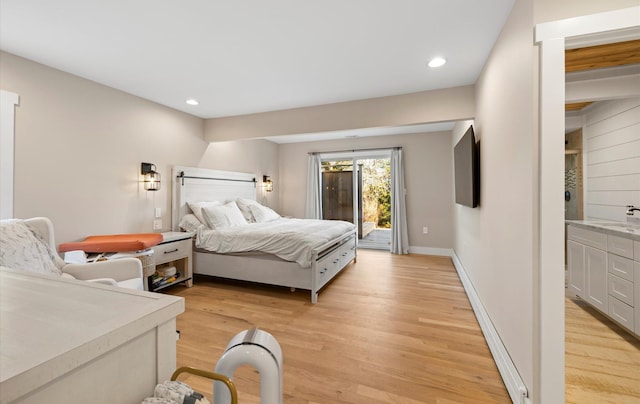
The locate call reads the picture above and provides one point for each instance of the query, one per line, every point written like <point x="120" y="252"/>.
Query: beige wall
<point x="78" y="149"/>
<point x="428" y="180"/>
<point x="450" y="104"/>
<point x="259" y="157"/>
<point x="79" y="145"/>
<point x="495" y="241"/>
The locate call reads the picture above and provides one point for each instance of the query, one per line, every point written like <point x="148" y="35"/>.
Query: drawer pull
<point x="172" y="251"/>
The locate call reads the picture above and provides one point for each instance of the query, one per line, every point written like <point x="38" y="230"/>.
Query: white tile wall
<point x="612" y="159"/>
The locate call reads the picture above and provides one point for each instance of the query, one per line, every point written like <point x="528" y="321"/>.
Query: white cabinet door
<point x="575" y="262"/>
<point x="596" y="275"/>
<point x="636" y="287"/>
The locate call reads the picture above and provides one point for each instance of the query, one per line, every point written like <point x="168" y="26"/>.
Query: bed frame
<point x="198" y="184"/>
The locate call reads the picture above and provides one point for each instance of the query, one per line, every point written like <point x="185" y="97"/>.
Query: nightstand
<point x="175" y="250"/>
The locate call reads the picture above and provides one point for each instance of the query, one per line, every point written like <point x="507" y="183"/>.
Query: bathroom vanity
<point x="603" y="261"/>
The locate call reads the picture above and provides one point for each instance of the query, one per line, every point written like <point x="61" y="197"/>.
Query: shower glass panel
<point x="572" y="186"/>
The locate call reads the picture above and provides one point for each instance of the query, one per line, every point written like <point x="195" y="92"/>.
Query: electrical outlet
<point x="158" y="213"/>
<point x="157" y="224"/>
<point x="425" y="230"/>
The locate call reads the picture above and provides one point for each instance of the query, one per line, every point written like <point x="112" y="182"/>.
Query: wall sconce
<point x="266" y="183"/>
<point x="151" y="176"/>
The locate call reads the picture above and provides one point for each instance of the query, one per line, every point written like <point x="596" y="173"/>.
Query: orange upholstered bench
<point x="113" y="243"/>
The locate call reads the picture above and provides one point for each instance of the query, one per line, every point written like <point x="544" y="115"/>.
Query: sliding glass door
<point x="357" y="190"/>
<point x="375" y="186"/>
<point x="339" y="191"/>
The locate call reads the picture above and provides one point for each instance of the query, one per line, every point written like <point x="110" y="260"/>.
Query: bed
<point x="321" y="261"/>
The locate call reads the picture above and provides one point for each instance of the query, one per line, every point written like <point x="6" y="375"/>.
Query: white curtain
<point x="314" y="195"/>
<point x="399" y="235"/>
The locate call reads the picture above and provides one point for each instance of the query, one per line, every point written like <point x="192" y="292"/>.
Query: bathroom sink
<point x="627" y="225"/>
<point x="611" y="224"/>
<point x="630" y="227"/>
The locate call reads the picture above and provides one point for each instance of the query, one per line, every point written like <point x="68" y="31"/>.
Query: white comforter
<point x="289" y="239"/>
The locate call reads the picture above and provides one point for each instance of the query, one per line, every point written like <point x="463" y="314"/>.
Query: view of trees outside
<point x="376" y="191"/>
<point x="344" y="165"/>
<point x="376" y="188"/>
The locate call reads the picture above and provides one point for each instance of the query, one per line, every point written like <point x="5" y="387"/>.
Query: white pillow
<point x="215" y="216"/>
<point x="223" y="215"/>
<point x="263" y="214"/>
<point x="234" y="215"/>
<point x="196" y="208"/>
<point x="243" y="205"/>
<point x="21" y="249"/>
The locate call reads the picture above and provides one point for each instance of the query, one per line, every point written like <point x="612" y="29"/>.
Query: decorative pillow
<point x="243" y="205"/>
<point x="57" y="261"/>
<point x="196" y="208"/>
<point x="190" y="223"/>
<point x="21" y="249"/>
<point x="263" y="214"/>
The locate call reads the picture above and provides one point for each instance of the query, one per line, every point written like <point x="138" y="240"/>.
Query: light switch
<point x="158" y="213"/>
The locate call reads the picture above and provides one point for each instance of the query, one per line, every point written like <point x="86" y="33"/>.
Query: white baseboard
<point x="512" y="380"/>
<point x="445" y="252"/>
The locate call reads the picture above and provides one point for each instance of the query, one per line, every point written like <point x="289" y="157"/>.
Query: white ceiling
<point x="599" y="85"/>
<point x="247" y="56"/>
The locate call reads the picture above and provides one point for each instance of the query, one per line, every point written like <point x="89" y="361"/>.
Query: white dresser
<point x="68" y="341"/>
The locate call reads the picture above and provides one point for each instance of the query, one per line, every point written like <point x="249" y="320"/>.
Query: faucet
<point x="631" y="209"/>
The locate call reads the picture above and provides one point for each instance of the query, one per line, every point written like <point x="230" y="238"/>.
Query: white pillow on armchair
<point x="25" y="247"/>
<point x="21" y="249"/>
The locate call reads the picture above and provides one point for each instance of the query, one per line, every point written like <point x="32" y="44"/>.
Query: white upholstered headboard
<point x="192" y="184"/>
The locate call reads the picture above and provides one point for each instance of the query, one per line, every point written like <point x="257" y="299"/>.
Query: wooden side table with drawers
<point x="173" y="261"/>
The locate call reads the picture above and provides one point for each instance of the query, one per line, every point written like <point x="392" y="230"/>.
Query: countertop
<point x="621" y="229"/>
<point x="170" y="236"/>
<point x="51" y="325"/>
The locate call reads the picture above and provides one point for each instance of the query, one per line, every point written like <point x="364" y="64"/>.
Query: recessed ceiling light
<point x="437" y="62"/>
<point x="191" y="101"/>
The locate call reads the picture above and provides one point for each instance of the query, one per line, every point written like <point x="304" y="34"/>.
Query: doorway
<point x="552" y="38"/>
<point x="376" y="203"/>
<point x="358" y="190"/>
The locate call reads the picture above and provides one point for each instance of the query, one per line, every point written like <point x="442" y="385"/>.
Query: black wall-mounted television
<point x="466" y="156"/>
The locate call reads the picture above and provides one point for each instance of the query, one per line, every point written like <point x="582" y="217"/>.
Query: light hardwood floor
<point x="389" y="329"/>
<point x="602" y="361"/>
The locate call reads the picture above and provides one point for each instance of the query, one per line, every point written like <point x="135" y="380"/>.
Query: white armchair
<point x="124" y="272"/>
